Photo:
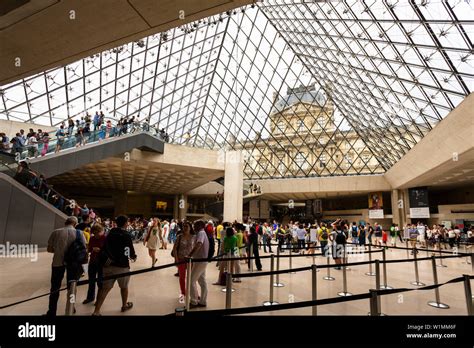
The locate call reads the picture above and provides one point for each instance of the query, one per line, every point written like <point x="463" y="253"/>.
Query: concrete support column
<point x="182" y="206"/>
<point x="406" y="206"/>
<point x="233" y="186"/>
<point x="176" y="207"/>
<point x="399" y="208"/>
<point x="120" y="203"/>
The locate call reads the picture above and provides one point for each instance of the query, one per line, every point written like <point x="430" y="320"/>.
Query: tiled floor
<point x="156" y="292"/>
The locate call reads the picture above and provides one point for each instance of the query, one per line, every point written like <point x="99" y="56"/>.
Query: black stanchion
<point x="437" y="303"/>
<point x="228" y="293"/>
<point x="71" y="297"/>
<point x="370" y="273"/>
<point x="417" y="278"/>
<point x="384" y="258"/>
<point x="250" y="258"/>
<point x="344" y="291"/>
<point x="374" y="310"/>
<point x="277" y="284"/>
<point x="441" y="260"/>
<point x="290" y="262"/>
<point x="468" y="293"/>
<point x="328" y="276"/>
<point x="188" y="283"/>
<point x="229" y="268"/>
<point x="314" y="283"/>
<point x="314" y="262"/>
<point x="377" y="285"/>
<point x="346" y="258"/>
<point x="272" y="268"/>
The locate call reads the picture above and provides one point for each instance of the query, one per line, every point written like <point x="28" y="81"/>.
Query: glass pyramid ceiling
<point x="304" y="88"/>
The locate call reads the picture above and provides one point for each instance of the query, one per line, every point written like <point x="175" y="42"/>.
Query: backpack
<point x="324" y="234"/>
<point x="76" y="256"/>
<point x="340" y="238"/>
<point x="354" y="231"/>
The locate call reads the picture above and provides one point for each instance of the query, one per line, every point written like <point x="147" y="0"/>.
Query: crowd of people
<point x="79" y="132"/>
<point x="108" y="248"/>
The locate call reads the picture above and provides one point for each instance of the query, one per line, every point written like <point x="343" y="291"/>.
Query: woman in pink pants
<point x="183" y="246"/>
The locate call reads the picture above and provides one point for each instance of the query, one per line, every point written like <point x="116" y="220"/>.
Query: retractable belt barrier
<point x="332" y="300"/>
<point x="247" y="275"/>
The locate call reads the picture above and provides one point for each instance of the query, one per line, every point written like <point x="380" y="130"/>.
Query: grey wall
<point x="24" y="217"/>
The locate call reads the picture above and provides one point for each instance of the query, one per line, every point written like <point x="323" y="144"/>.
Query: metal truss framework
<point x="393" y="70"/>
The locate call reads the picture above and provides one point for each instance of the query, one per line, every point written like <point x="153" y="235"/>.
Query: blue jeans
<point x="95" y="273"/>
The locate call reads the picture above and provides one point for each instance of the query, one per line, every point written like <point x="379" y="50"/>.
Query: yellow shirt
<point x="87" y="235"/>
<point x="219" y="231"/>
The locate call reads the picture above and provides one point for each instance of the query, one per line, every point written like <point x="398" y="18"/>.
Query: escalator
<point x="96" y="148"/>
<point x="25" y="217"/>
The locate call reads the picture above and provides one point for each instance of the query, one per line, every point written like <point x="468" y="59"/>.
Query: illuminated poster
<point x="419" y="203"/>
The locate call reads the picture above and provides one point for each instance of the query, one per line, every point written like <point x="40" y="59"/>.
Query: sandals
<point x="128" y="306"/>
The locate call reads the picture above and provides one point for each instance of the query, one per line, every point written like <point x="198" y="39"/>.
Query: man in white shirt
<point x="421" y="233"/>
<point x="198" y="273"/>
<point x="32" y="146"/>
<point x="301" y="235"/>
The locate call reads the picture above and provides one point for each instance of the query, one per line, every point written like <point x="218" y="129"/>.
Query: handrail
<point x="71" y="140"/>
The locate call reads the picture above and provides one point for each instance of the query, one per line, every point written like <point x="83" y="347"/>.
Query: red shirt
<point x="95" y="242"/>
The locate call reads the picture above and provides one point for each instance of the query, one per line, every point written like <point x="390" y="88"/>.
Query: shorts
<point x="113" y="270"/>
<point x="338" y="251"/>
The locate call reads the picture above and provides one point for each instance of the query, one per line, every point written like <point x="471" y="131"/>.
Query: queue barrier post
<point x="328" y="276"/>
<point x="290" y="261"/>
<point x="417" y="277"/>
<point x="188" y="283"/>
<point x="370" y="272"/>
<point x="441" y="264"/>
<point x="407" y="248"/>
<point x="229" y="271"/>
<point x="468" y="293"/>
<point x="71" y="297"/>
<point x="437" y="303"/>
<point x="346" y="258"/>
<point x="384" y="258"/>
<point x="377" y="285"/>
<point x="374" y="310"/>
<point x="272" y="268"/>
<point x="228" y="293"/>
<point x="250" y="258"/>
<point x="314" y="292"/>
<point x="344" y="291"/>
<point x="277" y="284"/>
<point x="314" y="262"/>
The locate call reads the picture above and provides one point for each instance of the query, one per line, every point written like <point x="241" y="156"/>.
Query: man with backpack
<point x="354" y="234"/>
<point x="69" y="248"/>
<point x="338" y="238"/>
<point x="323" y="236"/>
